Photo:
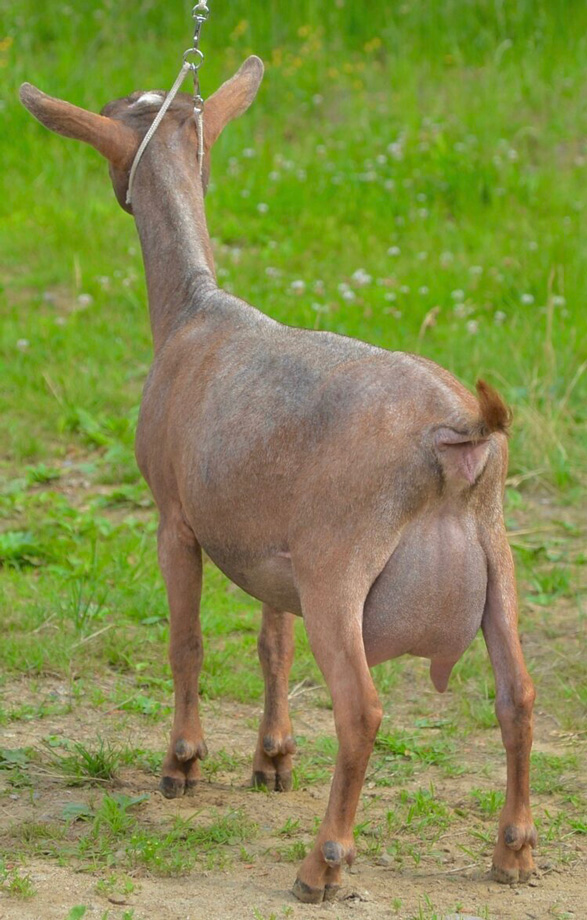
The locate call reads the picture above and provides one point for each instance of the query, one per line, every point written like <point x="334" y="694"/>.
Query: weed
<point x="293" y="853"/>
<point x="551" y="773"/>
<point x="77" y="912"/>
<point x="291" y="826"/>
<point x="80" y="764"/>
<point x="14" y="883"/>
<point x="489" y="801"/>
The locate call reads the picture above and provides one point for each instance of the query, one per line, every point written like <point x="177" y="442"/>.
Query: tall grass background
<point x="411" y="173"/>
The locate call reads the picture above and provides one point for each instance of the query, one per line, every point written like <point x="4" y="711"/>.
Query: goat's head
<point x="118" y="131"/>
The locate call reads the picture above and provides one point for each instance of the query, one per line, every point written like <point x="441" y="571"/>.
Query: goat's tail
<point x="463" y="453"/>
<point x="495" y="415"/>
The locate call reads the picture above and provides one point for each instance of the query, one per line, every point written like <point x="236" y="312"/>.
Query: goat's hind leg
<point x="334" y="624"/>
<point x="272" y="764"/>
<point x="512" y="857"/>
<point x="180" y="560"/>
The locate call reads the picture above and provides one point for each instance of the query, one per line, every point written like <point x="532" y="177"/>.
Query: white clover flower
<point x="298" y="286"/>
<point x="404" y="289"/>
<point x="86" y="300"/>
<point x="476" y="269"/>
<point x="446" y="258"/>
<point x="262" y="208"/>
<point x="390" y="295"/>
<point x="396" y="150"/>
<point x="472" y="327"/>
<point x="348" y="295"/>
<point x="457" y="294"/>
<point x="381" y="159"/>
<point x="22" y="344"/>
<point x="422" y="256"/>
<point x="393" y="251"/>
<point x="424" y="290"/>
<point x="499" y="318"/>
<point x="558" y="300"/>
<point x="421" y="197"/>
<point x="274" y="175"/>
<point x="249" y="153"/>
<point x="361" y="277"/>
<point x="245" y="193"/>
<point x="423" y="213"/>
<point x="272" y="272"/>
<point x="527" y="299"/>
<point x="318" y="286"/>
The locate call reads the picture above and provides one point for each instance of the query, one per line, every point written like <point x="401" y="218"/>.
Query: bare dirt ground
<point x="260" y="888"/>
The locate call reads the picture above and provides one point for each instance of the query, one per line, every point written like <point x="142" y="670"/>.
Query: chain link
<point x="193" y="56"/>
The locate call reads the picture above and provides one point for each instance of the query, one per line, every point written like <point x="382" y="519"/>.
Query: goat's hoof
<point x="280" y="782"/>
<point x="307" y="893"/>
<point x="190" y="786"/>
<point x="262" y="780"/>
<point x="283" y="782"/>
<point x="510" y="876"/>
<point x="171" y="787"/>
<point x="330" y="892"/>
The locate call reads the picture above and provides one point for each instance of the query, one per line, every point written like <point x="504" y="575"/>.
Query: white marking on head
<point x="149" y="99"/>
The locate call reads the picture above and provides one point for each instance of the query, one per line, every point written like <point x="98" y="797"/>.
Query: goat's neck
<point x="168" y="205"/>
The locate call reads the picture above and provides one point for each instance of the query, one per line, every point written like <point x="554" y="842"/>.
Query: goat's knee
<point x="514" y="710"/>
<point x="186" y="652"/>
<point x="358" y="724"/>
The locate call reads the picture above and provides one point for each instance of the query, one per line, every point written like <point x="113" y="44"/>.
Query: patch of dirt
<point x="260" y="888"/>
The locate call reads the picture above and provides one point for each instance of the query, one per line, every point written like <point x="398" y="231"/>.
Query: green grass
<point x="423" y="171"/>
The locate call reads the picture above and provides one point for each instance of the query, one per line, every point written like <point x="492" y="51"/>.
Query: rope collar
<point x="157" y="121"/>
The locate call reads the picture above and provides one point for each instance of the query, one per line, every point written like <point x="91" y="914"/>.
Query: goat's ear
<point x="233" y="98"/>
<point x="112" y="139"/>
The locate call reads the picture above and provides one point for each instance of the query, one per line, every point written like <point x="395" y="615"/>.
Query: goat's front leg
<point x="334" y="625"/>
<point x="180" y="560"/>
<point x="272" y="763"/>
<point x="514" y="700"/>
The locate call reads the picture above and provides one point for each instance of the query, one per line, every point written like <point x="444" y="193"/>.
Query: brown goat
<point x="359" y="488"/>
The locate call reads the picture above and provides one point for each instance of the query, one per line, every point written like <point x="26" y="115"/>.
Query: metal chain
<point x="200" y="13"/>
<point x="194" y="58"/>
